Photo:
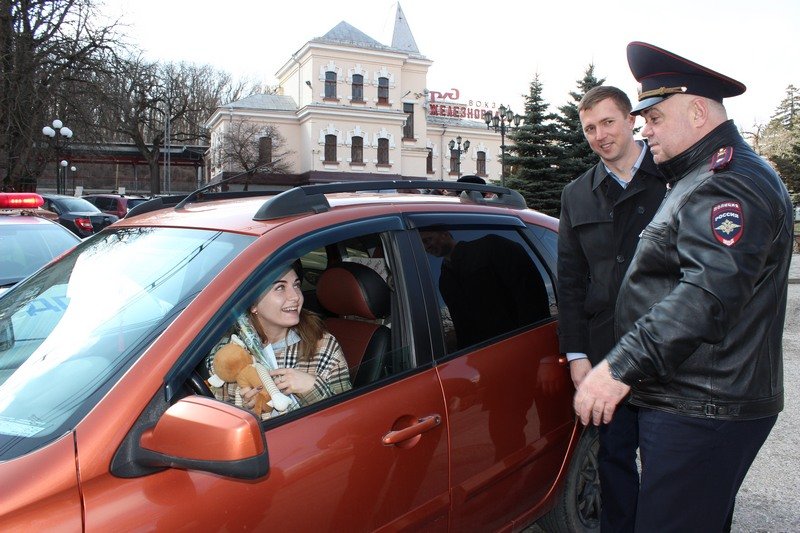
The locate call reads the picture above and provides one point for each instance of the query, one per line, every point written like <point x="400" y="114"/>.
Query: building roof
<point x="344" y="33"/>
<point x="272" y="102"/>
<point x="402" y="39"/>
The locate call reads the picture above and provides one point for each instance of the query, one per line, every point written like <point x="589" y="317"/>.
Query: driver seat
<point x="359" y="297"/>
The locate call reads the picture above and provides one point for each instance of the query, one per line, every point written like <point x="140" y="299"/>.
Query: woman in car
<point x="306" y="362"/>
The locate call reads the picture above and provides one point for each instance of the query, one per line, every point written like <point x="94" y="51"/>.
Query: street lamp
<point x="73" y="169"/>
<point x="502" y="122"/>
<point x="58" y="130"/>
<point x="455" y="149"/>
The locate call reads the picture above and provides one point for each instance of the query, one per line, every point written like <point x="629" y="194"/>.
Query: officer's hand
<point x="598" y="396"/>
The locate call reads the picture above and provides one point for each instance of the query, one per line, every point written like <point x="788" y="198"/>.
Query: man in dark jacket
<point x="702" y="306"/>
<point x="602" y="213"/>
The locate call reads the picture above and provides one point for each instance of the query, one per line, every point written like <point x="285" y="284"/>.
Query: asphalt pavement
<point x="768" y="501"/>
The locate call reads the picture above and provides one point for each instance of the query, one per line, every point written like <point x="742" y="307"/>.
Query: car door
<point x="370" y="458"/>
<point x="490" y="294"/>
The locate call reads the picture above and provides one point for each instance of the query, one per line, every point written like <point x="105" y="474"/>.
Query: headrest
<point x="354" y="289"/>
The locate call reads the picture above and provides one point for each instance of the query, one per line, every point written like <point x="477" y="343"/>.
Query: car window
<point x="371" y="345"/>
<point x="133" y="202"/>
<point x="487" y="282"/>
<point x="27" y="247"/>
<point x="78" y="204"/>
<point x="68" y="330"/>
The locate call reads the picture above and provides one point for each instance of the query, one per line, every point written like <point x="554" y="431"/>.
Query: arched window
<point x="481" y="163"/>
<point x="330" y="84"/>
<point x="330" y="149"/>
<point x="358" y="88"/>
<point x="383" y="90"/>
<point x="264" y="151"/>
<point x="357" y="150"/>
<point x="429" y="161"/>
<point x="454" y="161"/>
<point x="383" y="151"/>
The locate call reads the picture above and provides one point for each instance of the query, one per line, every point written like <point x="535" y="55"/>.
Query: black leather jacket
<point x="704" y="301"/>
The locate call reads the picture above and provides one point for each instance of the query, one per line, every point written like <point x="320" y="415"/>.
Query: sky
<point x="491" y="50"/>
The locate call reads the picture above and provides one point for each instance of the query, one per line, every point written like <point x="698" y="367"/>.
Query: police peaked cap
<point x="662" y="74"/>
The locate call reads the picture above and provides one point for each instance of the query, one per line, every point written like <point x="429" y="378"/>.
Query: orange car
<point x="459" y="417"/>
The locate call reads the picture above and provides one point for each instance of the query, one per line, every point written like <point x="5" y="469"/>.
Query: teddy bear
<point x="234" y="364"/>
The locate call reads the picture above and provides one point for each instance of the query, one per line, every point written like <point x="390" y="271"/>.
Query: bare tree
<point x="251" y="147"/>
<point x="155" y="105"/>
<point x="45" y="46"/>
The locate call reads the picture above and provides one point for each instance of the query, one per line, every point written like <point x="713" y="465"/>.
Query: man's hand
<point x="578" y="368"/>
<point x="598" y="396"/>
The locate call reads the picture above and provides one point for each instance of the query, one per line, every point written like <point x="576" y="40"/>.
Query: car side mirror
<point x="199" y="433"/>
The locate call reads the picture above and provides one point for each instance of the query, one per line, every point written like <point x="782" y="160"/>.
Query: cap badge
<point x="727" y="222"/>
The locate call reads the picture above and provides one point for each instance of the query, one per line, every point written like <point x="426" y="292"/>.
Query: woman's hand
<point x="248" y="395"/>
<point x="292" y="381"/>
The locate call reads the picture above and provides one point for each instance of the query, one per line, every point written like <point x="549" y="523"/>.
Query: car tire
<point x="578" y="504"/>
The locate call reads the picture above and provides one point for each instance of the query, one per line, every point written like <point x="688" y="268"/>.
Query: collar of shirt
<point x="634" y="169"/>
<point x="291" y="338"/>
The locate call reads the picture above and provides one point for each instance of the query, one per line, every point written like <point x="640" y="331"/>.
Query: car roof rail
<point x="178" y="201"/>
<point x="311" y="198"/>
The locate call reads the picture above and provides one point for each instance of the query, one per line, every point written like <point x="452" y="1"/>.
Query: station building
<point x="350" y="108"/>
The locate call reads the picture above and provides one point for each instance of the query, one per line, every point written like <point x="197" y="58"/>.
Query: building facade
<point x="351" y="108"/>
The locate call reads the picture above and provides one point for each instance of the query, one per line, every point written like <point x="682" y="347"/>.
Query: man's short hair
<point x="595" y="95"/>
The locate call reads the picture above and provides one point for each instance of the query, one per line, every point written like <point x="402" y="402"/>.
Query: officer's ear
<point x="699" y="111"/>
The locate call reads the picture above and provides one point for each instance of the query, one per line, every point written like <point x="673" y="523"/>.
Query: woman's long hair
<point x="310" y="328"/>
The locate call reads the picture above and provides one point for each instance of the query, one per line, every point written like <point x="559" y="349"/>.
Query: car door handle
<point x="423" y="424"/>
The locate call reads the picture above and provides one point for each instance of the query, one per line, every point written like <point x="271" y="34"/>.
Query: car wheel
<point x="578" y="505"/>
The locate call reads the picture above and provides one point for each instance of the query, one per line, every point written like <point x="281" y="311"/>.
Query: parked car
<point x="28" y="239"/>
<point x="114" y="204"/>
<point x="78" y="215"/>
<point x="108" y="423"/>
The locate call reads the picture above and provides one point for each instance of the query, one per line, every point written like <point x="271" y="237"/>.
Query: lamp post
<point x="55" y="133"/>
<point x="501" y="121"/>
<point x="73" y="169"/>
<point x="455" y="146"/>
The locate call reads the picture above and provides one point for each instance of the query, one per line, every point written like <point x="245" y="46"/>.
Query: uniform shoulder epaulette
<point x="721" y="158"/>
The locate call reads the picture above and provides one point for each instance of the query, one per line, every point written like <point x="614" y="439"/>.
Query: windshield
<point x="27" y="247"/>
<point x="68" y="332"/>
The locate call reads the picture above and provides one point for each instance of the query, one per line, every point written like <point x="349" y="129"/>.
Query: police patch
<point x="727" y="222"/>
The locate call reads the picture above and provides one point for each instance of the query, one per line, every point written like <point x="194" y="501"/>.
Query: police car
<point x="28" y="238"/>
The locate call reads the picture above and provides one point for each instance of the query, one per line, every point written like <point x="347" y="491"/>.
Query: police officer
<point x="702" y="306"/>
<point x="603" y="211"/>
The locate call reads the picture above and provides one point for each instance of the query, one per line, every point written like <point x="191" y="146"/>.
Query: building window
<point x="383" y="90"/>
<point x="264" y="151"/>
<point x="330" y="148"/>
<point x="429" y="161"/>
<point x="330" y="84"/>
<point x="408" y="128"/>
<point x="383" y="151"/>
<point x="453" y="161"/>
<point x="358" y="88"/>
<point x="357" y="150"/>
<point x="481" y="164"/>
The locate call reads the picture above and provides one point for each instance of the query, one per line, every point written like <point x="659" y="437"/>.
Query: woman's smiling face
<point x="278" y="310"/>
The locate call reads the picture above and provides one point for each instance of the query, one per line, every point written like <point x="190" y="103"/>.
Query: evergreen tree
<point x="780" y="139"/>
<point x="578" y="156"/>
<point x="535" y="155"/>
